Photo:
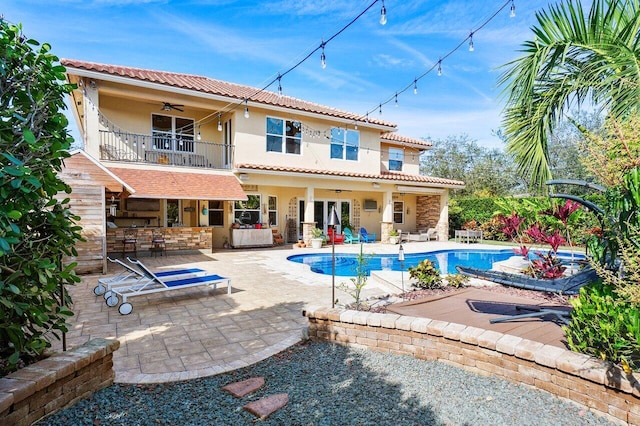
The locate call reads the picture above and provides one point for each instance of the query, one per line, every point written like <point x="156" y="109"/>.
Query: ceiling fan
<point x="166" y="106"/>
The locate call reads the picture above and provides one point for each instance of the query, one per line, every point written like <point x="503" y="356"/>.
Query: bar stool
<point x="130" y="242"/>
<point x="158" y="243"/>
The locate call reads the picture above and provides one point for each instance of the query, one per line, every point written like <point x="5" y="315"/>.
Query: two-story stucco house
<point x="199" y="152"/>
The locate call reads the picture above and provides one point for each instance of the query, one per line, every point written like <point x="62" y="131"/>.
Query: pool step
<point x="390" y="281"/>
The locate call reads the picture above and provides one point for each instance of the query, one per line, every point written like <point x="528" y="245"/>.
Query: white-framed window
<point x="216" y="213"/>
<point x="248" y="212"/>
<point x="398" y="212"/>
<point x="345" y="144"/>
<point x="273" y="210"/>
<point x="172" y="133"/>
<point x="284" y="136"/>
<point x="396" y="159"/>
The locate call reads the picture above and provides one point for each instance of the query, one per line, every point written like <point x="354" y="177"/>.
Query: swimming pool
<point x="445" y="260"/>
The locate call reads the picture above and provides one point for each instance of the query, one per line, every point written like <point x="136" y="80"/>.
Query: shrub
<point x="605" y="325"/>
<point x="36" y="229"/>
<point x="427" y="274"/>
<point x="457" y="280"/>
<point x="492" y="230"/>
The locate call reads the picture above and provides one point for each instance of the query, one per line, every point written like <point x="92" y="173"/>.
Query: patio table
<point x="462" y="234"/>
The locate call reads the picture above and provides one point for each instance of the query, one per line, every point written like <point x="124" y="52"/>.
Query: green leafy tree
<point x="461" y="158"/>
<point x="36" y="228"/>
<point x="574" y="57"/>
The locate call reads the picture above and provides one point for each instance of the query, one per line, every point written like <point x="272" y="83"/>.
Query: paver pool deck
<point x="197" y="332"/>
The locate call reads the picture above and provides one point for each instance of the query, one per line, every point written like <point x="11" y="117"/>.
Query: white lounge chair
<point x="422" y="235"/>
<point x="156" y="284"/>
<point x="130" y="276"/>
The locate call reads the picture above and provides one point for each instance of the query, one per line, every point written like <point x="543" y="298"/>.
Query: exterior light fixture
<point x="333" y="221"/>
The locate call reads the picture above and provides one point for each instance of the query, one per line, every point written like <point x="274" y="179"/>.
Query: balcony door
<point x="172" y="133"/>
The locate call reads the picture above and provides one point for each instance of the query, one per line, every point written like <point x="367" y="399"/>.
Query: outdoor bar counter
<point x="176" y="238"/>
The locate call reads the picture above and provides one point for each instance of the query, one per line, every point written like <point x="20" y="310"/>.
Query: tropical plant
<point x="427" y="274"/>
<point x="316" y="232"/>
<point x="605" y="325"/>
<point x="574" y="57"/>
<point x="394" y="233"/>
<point x="36" y="228"/>
<point x="360" y="279"/>
<point x="457" y="280"/>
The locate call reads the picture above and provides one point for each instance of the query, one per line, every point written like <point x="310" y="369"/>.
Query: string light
<point x="279" y="86"/>
<point x="438" y="65"/>
<point x="219" y="123"/>
<point x="246" y="108"/>
<point x="512" y="13"/>
<point x="396" y="103"/>
<point x="383" y="15"/>
<point x="198" y="136"/>
<point x="231" y="106"/>
<point x="380" y="109"/>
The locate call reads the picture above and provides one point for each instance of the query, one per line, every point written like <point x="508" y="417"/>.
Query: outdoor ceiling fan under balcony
<point x="166" y="106"/>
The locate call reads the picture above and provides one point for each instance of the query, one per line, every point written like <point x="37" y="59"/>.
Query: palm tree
<point x="574" y="58"/>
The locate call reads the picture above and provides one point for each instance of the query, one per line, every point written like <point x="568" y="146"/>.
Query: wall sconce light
<point x="205" y="211"/>
<point x="264" y="208"/>
<point x="376" y="185"/>
<point x="408" y="211"/>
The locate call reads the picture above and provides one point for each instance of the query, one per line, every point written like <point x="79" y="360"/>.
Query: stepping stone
<point x="240" y="389"/>
<point x="264" y="407"/>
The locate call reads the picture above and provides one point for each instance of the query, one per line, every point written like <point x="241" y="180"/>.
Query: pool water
<point x="445" y="260"/>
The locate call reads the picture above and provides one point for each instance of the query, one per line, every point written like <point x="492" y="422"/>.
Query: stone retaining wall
<point x="56" y="382"/>
<point x="599" y="386"/>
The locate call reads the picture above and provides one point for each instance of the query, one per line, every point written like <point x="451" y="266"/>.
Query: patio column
<point x="387" y="216"/>
<point x="308" y="224"/>
<point x="91" y="104"/>
<point x="443" y="223"/>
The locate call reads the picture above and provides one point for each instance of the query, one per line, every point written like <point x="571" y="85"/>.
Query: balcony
<point x="183" y="152"/>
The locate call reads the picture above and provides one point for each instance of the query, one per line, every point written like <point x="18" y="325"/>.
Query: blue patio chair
<point x="349" y="237"/>
<point x="367" y="237"/>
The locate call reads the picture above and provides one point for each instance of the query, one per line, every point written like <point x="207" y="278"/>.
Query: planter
<point x="316" y="243"/>
<point x="394" y="239"/>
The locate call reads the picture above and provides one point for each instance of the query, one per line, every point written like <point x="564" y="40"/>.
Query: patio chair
<point x="367" y="237"/>
<point x="349" y="237"/>
<point x="339" y="238"/>
<point x="156" y="284"/>
<point x="131" y="276"/>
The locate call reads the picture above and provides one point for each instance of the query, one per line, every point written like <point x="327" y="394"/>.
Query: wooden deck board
<point x="475" y="307"/>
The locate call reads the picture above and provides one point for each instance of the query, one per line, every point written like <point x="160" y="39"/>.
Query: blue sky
<point x="249" y="42"/>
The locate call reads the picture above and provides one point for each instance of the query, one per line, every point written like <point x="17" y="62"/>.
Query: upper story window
<point x="284" y="136"/>
<point x="172" y="133"/>
<point x="345" y="143"/>
<point x="396" y="159"/>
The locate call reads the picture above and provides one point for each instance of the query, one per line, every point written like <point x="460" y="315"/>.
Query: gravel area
<point x="331" y="384"/>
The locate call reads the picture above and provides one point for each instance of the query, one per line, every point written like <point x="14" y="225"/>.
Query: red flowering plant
<point x="545" y="265"/>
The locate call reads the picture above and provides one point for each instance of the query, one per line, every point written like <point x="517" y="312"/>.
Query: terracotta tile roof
<point x="396" y="138"/>
<point x="169" y="184"/>
<point x="382" y="176"/>
<point x="217" y="87"/>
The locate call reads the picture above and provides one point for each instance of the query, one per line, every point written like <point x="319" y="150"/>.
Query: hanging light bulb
<point x="246" y="108"/>
<point x="512" y="14"/>
<point x="415" y="87"/>
<point x="383" y="14"/>
<point x="279" y="86"/>
<point x="219" y="124"/>
<point x="323" y="58"/>
<point x="396" y="102"/>
<point x="355" y="125"/>
<point x="380" y="109"/>
<point x="199" y="136"/>
<point x="440" y="67"/>
<point x="471" y="48"/>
